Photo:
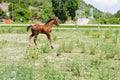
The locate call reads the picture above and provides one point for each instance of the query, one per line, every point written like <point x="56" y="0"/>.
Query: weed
<point x="50" y="73"/>
<point x="82" y="47"/>
<point x="66" y="47"/>
<point x="96" y="34"/>
<point x="107" y="73"/>
<point x="54" y="38"/>
<point x="109" y="50"/>
<point x="31" y="53"/>
<point x="16" y="73"/>
<point x="93" y="49"/>
<point x="45" y="48"/>
<point x="115" y="37"/>
<point x="108" y="34"/>
<point x="3" y="43"/>
<point x="87" y="32"/>
<point x="75" y="66"/>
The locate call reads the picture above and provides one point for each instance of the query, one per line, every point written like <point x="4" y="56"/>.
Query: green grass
<point x="67" y="26"/>
<point x="77" y="55"/>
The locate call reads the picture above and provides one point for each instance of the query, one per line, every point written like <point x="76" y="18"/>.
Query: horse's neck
<point x="50" y="24"/>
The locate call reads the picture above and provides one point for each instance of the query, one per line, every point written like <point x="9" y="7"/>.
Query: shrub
<point x="45" y="48"/>
<point x="109" y="50"/>
<point x="23" y="14"/>
<point x="96" y="34"/>
<point x="108" y="34"/>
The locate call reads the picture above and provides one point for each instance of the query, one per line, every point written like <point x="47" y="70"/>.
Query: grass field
<point x="77" y="55"/>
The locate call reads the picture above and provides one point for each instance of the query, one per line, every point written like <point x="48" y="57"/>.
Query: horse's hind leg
<point x="30" y="37"/>
<point x="49" y="38"/>
<point x="35" y="38"/>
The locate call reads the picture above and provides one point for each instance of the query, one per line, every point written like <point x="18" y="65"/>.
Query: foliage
<point x="63" y="9"/>
<point x="117" y="15"/>
<point x="16" y="73"/>
<point x="31" y="53"/>
<point x="108" y="34"/>
<point x="51" y="73"/>
<point x="109" y="50"/>
<point x="96" y="34"/>
<point x="72" y="6"/>
<point x="73" y="66"/>
<point x="66" y="47"/>
<point x="21" y="13"/>
<point x="3" y="14"/>
<point x="3" y="43"/>
<point x="46" y="13"/>
<point x="59" y="9"/>
<point x="45" y="48"/>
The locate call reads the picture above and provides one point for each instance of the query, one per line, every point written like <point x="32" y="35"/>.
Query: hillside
<point x="86" y="7"/>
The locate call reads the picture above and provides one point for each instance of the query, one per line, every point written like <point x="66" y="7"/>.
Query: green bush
<point x="96" y="34"/>
<point x="21" y="13"/>
<point x="109" y="50"/>
<point x="108" y="34"/>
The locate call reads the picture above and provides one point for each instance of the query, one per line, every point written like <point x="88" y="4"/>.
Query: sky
<point x="111" y="6"/>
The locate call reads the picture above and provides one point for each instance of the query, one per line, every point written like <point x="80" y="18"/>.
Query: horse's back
<point x="37" y="28"/>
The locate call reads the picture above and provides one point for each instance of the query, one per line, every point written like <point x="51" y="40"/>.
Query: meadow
<point x="77" y="55"/>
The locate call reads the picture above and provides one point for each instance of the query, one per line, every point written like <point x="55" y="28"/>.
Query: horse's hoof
<point x="28" y="46"/>
<point x="52" y="47"/>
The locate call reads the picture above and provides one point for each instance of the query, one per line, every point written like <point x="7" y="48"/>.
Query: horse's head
<point x="56" y="21"/>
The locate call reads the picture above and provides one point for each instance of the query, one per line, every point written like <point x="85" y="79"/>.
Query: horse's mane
<point x="49" y="20"/>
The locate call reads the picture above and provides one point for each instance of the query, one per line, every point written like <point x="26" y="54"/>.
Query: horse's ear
<point x="57" y="18"/>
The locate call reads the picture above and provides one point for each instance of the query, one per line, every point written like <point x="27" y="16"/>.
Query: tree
<point x="117" y="15"/>
<point x="3" y="14"/>
<point x="21" y="13"/>
<point x="60" y="10"/>
<point x="0" y="1"/>
<point x="46" y="13"/>
<point x="72" y="6"/>
<point x="65" y="8"/>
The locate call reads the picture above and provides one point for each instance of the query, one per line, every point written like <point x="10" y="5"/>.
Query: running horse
<point x="43" y="29"/>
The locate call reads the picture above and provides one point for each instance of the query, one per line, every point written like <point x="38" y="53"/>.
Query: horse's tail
<point x="29" y="27"/>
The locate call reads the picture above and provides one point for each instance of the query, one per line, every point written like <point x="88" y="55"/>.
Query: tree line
<point x="43" y="10"/>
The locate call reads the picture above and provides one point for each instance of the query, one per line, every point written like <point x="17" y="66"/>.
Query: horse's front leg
<point x="49" y="38"/>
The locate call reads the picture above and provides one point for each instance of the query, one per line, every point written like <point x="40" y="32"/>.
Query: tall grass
<point x="13" y="30"/>
<point x="32" y="53"/>
<point x="109" y="50"/>
<point x="108" y="34"/>
<point x="66" y="47"/>
<point x="3" y="43"/>
<point x="45" y="48"/>
<point x="16" y="73"/>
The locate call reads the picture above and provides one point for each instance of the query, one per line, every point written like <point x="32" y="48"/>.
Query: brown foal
<point x="43" y="29"/>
